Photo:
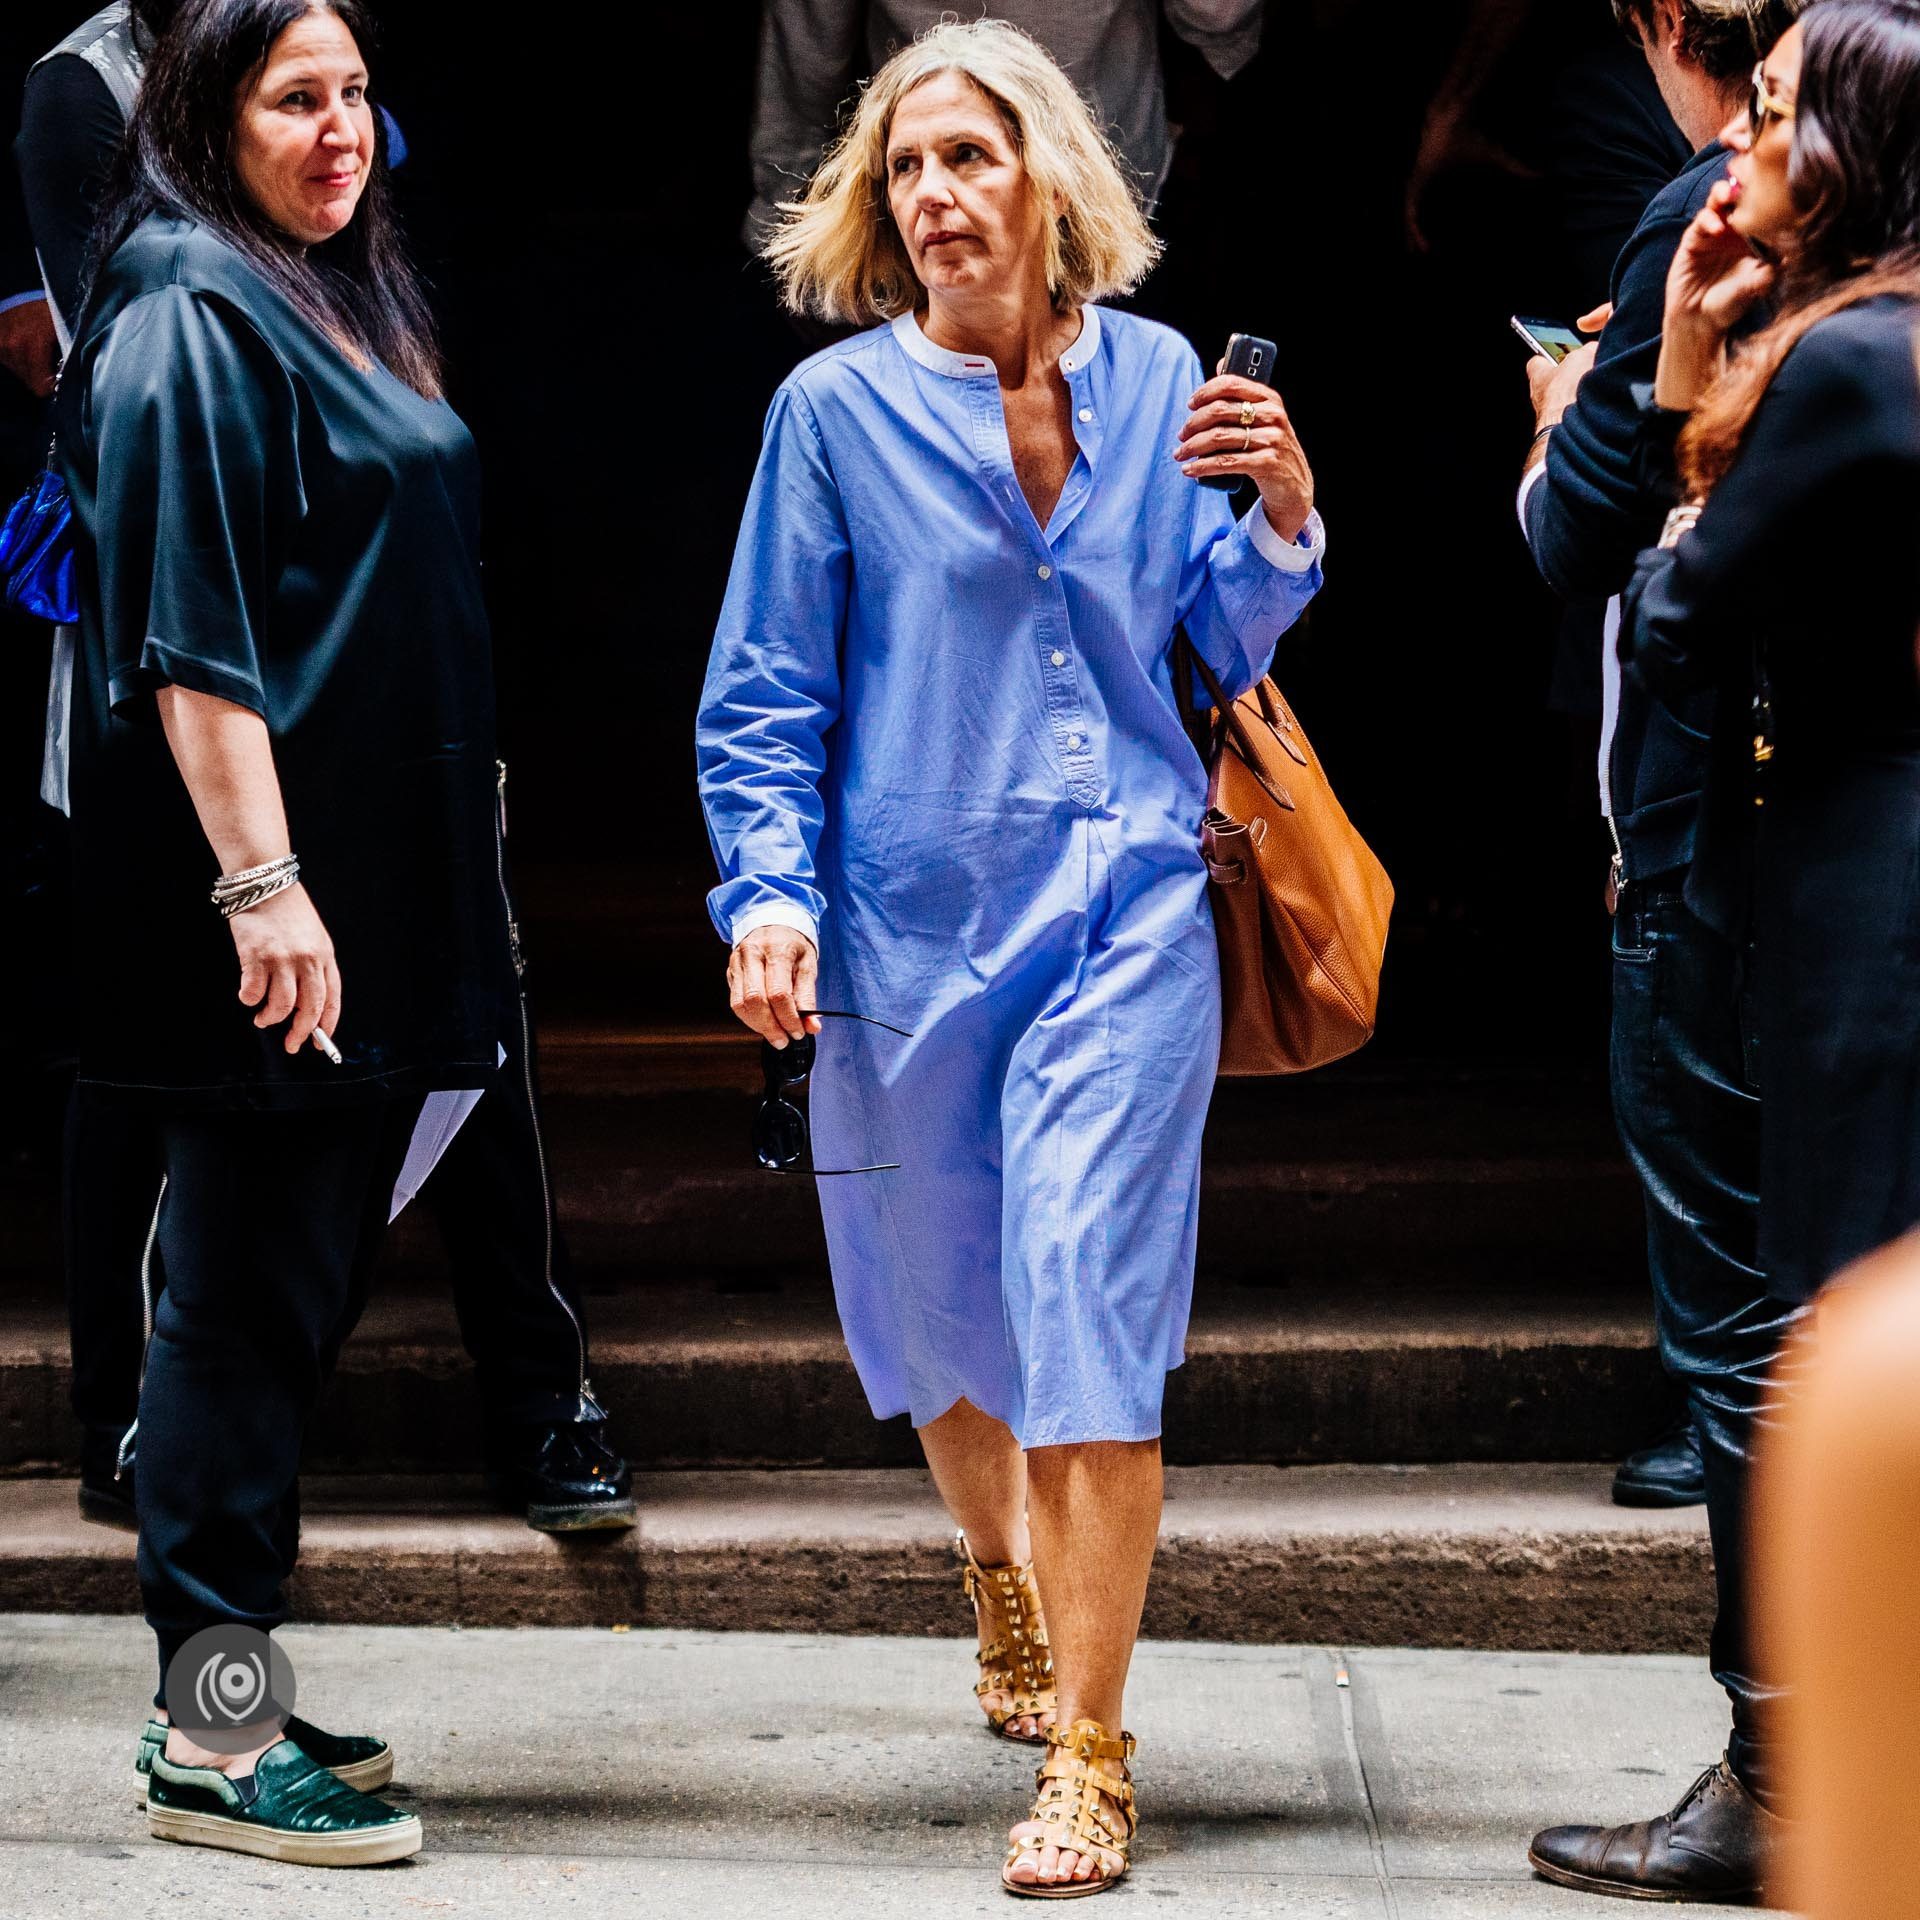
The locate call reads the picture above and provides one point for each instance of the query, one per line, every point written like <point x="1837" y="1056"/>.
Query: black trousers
<point x="1683" y="1073"/>
<point x="491" y="1197"/>
<point x="267" y="1233"/>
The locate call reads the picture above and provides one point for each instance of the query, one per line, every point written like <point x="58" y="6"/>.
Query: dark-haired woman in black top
<point x="1792" y="573"/>
<point x="284" y="659"/>
<point x="1789" y="579"/>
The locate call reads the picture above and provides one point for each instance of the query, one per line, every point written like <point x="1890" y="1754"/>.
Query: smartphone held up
<point x="1251" y="358"/>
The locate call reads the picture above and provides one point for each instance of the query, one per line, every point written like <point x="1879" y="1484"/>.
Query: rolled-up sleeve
<point x="773" y="683"/>
<point x="191" y="420"/>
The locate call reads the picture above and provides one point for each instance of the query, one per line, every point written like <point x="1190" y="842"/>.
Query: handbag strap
<point x="1187" y="666"/>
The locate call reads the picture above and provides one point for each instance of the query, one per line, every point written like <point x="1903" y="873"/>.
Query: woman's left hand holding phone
<point x="1237" y="426"/>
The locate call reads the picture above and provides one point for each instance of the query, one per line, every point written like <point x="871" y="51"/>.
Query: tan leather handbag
<point x="1300" y="904"/>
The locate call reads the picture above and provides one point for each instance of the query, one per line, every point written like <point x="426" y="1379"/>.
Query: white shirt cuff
<point x="776" y="914"/>
<point x="1288" y="555"/>
<point x="1534" y="476"/>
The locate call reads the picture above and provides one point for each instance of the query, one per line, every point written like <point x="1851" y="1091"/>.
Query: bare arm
<point x="286" y="957"/>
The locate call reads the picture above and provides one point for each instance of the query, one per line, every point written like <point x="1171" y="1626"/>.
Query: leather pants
<point x="1683" y="1074"/>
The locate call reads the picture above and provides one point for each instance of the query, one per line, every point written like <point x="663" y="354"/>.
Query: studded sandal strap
<point x="1088" y="1809"/>
<point x="1018" y="1660"/>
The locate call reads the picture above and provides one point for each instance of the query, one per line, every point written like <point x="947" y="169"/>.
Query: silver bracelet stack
<point x="236" y="892"/>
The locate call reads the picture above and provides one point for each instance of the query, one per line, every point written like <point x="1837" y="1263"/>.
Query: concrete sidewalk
<point x="563" y="1771"/>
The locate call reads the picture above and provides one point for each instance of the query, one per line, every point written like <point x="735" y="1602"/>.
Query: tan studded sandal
<point x="1082" y="1809"/>
<point x="1016" y="1659"/>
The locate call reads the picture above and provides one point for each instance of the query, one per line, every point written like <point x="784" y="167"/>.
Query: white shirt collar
<point x="972" y="366"/>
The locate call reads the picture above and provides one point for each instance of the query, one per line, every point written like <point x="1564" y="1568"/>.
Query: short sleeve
<point x="192" y="424"/>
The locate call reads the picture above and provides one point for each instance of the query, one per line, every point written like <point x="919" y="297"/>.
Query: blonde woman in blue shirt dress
<point x="948" y="788"/>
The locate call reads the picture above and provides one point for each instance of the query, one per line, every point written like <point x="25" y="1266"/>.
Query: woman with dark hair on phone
<point x="1791" y="577"/>
<point x="283" y="699"/>
<point x="1789" y="580"/>
<point x="946" y="776"/>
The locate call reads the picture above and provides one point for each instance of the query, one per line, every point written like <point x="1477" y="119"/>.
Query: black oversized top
<point x="266" y="522"/>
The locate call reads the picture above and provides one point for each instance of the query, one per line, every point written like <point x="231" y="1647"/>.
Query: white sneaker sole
<point x="365" y="1849"/>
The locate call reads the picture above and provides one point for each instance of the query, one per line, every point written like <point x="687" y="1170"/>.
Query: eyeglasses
<point x="781" y="1140"/>
<point x="1764" y="106"/>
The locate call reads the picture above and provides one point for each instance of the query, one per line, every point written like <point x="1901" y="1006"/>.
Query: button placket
<point x="1057" y="665"/>
<point x="1058" y="681"/>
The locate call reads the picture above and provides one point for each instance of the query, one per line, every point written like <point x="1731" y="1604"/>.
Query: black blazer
<point x="1805" y="567"/>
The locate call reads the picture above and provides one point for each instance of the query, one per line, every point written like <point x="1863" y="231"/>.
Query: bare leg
<point x="1096" y="1519"/>
<point x="982" y="1476"/>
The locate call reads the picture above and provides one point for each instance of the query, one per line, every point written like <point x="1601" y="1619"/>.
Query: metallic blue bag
<point x="37" y="552"/>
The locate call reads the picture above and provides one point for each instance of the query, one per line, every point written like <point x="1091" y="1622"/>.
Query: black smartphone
<point x="1252" y="359"/>
<point x="1547" y="338"/>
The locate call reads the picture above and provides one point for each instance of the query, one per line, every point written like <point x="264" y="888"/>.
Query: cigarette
<point x="324" y="1041"/>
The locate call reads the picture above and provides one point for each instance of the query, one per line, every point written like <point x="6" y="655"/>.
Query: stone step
<point x="1451" y="1556"/>
<point x="1525" y="1364"/>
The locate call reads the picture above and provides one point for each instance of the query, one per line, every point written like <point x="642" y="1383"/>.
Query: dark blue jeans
<point x="1683" y="1073"/>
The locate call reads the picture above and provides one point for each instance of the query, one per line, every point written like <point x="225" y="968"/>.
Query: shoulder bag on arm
<point x="1300" y="903"/>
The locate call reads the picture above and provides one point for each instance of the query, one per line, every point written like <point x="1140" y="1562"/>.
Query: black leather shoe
<point x="106" y="1487"/>
<point x="1666" y="1474"/>
<point x="1714" y="1846"/>
<point x="563" y="1475"/>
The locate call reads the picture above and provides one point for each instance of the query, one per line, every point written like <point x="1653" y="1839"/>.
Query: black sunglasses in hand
<point x="781" y="1141"/>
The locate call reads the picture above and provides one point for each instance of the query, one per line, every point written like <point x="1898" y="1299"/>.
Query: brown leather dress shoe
<point x="1715" y="1846"/>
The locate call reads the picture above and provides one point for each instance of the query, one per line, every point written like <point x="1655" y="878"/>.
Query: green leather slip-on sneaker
<point x="290" y="1808"/>
<point x="362" y="1760"/>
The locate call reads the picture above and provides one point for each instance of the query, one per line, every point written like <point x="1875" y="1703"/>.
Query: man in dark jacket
<point x="1682" y="1090"/>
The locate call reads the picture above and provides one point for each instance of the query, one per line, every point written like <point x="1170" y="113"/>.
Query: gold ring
<point x="1247" y="443"/>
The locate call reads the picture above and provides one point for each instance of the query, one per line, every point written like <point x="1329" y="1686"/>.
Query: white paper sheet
<point x="440" y="1119"/>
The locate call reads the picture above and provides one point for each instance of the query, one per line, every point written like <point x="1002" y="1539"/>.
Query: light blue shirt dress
<point x="944" y="738"/>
